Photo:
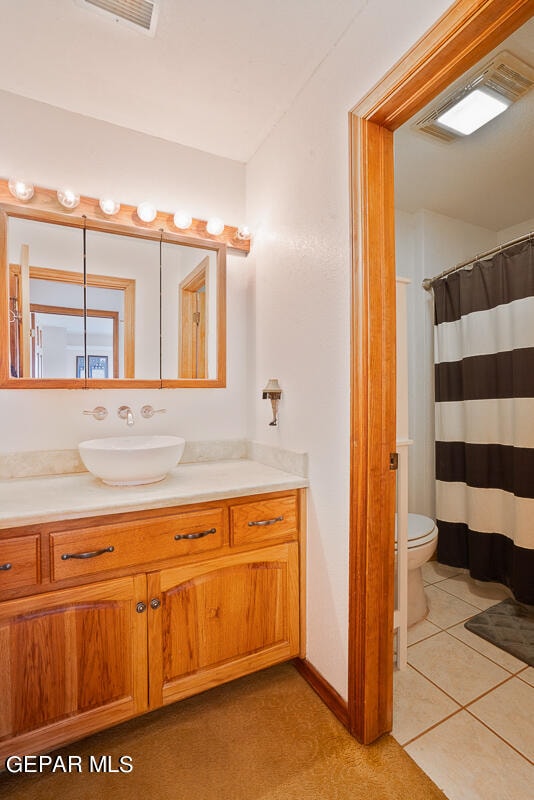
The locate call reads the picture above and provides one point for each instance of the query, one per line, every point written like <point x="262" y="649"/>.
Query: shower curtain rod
<point x="429" y="282"/>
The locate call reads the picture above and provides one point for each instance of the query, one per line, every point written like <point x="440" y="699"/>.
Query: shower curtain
<point x="484" y="381"/>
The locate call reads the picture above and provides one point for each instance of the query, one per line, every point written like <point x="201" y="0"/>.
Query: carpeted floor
<point x="264" y="737"/>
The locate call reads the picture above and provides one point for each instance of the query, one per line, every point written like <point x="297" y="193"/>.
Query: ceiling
<point x="217" y="76"/>
<point x="487" y="178"/>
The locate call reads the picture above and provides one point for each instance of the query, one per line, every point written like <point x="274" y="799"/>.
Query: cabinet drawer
<point x="19" y="562"/>
<point x="114" y="546"/>
<point x="272" y="520"/>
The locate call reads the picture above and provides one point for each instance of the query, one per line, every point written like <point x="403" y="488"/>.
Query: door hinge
<point x="196" y="317"/>
<point x="393" y="460"/>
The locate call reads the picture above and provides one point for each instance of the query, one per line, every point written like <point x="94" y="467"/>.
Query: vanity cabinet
<point x="129" y="612"/>
<point x="217" y="621"/>
<point x="71" y="661"/>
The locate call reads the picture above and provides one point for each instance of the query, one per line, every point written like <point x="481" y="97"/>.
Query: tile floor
<point x="464" y="709"/>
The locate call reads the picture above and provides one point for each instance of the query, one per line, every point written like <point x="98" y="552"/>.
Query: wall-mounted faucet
<point x="125" y="412"/>
<point x="99" y="412"/>
<point x="148" y="411"/>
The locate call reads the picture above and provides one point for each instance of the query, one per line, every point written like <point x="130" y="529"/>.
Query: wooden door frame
<point x="459" y="39"/>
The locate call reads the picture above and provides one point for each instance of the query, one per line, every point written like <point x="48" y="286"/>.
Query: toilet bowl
<point x="422" y="542"/>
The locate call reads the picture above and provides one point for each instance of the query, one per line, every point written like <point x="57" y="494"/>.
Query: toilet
<point x="422" y="542"/>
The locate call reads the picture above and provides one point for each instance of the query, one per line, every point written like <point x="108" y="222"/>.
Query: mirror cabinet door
<point x="46" y="300"/>
<point x="189" y="312"/>
<point x="91" y="306"/>
<point x="123" y="297"/>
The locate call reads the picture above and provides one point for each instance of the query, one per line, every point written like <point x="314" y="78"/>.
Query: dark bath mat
<point x="507" y="625"/>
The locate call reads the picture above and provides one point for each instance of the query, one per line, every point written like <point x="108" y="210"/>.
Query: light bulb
<point x="109" y="206"/>
<point x="68" y="198"/>
<point x="243" y="232"/>
<point x="183" y="220"/>
<point x="215" y="226"/>
<point x="146" y="212"/>
<point x="20" y="189"/>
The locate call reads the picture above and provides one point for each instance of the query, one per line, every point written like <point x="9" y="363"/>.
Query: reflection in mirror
<point x="122" y="306"/>
<point x="189" y="311"/>
<point x="45" y="267"/>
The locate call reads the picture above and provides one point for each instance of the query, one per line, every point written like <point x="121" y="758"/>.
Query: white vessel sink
<point x="131" y="460"/>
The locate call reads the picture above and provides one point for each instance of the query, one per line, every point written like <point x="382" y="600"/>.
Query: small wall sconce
<point x="273" y="393"/>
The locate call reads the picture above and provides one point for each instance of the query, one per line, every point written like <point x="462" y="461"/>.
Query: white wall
<point x="51" y="147"/>
<point x="513" y="232"/>
<point x="298" y="206"/>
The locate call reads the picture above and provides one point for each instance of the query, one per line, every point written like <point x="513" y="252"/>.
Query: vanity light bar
<point x="47" y="201"/>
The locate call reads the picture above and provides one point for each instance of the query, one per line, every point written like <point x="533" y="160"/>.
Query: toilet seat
<point x="421" y="530"/>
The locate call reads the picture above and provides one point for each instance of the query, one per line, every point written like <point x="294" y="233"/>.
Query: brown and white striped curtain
<point x="484" y="374"/>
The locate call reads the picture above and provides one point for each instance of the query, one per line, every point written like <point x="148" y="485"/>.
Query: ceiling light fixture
<point x="68" y="198"/>
<point x="109" y="206"/>
<point x="243" y="232"/>
<point x="20" y="189"/>
<point x="473" y="111"/>
<point x="476" y="98"/>
<point x="215" y="226"/>
<point x="183" y="220"/>
<point x="146" y="212"/>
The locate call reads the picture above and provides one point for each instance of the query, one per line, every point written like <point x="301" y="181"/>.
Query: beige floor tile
<point x="527" y="675"/>
<point x="478" y="593"/>
<point x="432" y="571"/>
<point x="509" y="711"/>
<point x="500" y="657"/>
<point x="456" y="668"/>
<point x="421" y="630"/>
<point x="417" y="705"/>
<point x="446" y="610"/>
<point x="468" y="762"/>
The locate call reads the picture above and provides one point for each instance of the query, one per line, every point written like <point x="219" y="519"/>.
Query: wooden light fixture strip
<point x="45" y="202"/>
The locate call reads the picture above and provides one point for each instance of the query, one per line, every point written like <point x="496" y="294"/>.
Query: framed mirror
<point x="93" y="303"/>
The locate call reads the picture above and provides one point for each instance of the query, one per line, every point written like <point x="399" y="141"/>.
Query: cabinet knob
<point x="5" y="567"/>
<point x="155" y="603"/>
<point x="140" y="607"/>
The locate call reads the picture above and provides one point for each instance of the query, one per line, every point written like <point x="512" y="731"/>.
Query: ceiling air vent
<point x="138" y="14"/>
<point x="505" y="76"/>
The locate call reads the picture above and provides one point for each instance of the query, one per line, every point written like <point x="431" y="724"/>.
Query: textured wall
<point x="298" y="203"/>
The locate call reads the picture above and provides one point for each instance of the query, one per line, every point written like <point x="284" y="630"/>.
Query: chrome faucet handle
<point x="125" y="412"/>
<point x="148" y="411"/>
<point x="99" y="412"/>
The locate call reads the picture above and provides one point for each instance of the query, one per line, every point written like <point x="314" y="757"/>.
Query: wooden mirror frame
<point x="465" y="33"/>
<point x="44" y="207"/>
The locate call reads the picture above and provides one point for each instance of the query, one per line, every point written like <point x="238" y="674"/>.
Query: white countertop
<point x="26" y="501"/>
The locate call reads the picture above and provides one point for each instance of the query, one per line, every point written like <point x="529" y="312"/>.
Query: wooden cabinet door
<point x="71" y="662"/>
<point x="221" y="619"/>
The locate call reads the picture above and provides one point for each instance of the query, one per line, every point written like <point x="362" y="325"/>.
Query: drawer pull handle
<point x="5" y="567"/>
<point x="199" y="535"/>
<point x="262" y="522"/>
<point x="91" y="554"/>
